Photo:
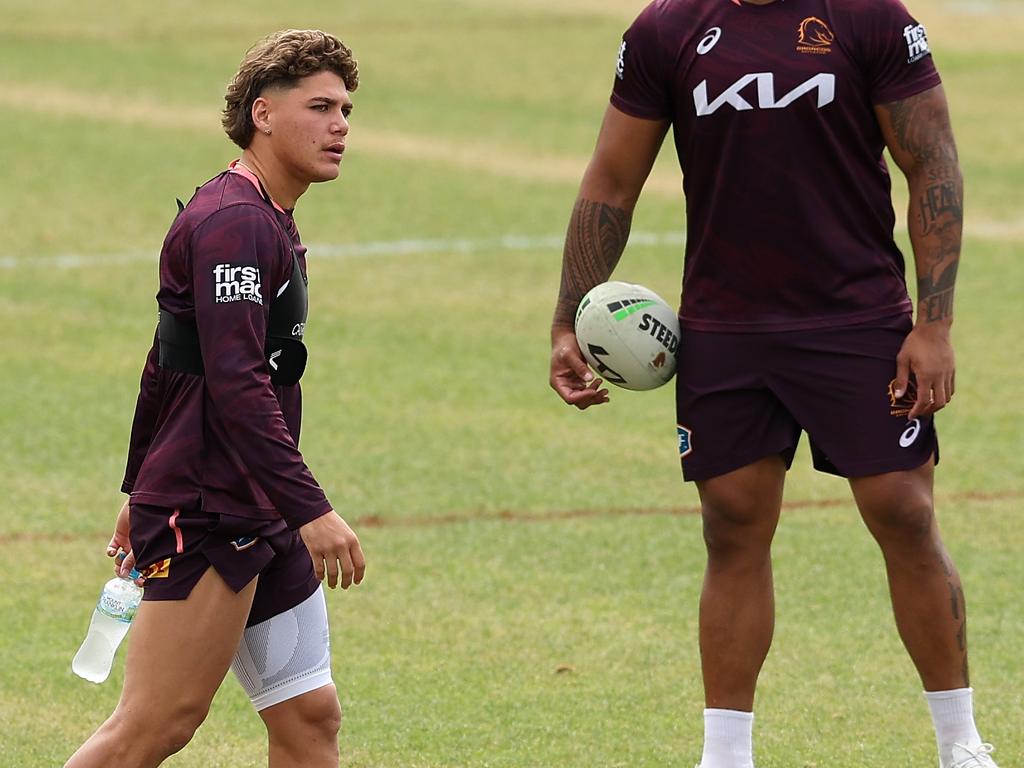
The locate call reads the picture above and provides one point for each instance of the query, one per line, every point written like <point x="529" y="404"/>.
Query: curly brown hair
<point x="281" y="60"/>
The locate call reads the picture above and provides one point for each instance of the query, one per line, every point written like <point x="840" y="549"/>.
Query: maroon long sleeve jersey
<point x="227" y="440"/>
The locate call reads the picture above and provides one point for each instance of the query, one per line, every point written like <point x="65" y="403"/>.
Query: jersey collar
<point x="236" y="166"/>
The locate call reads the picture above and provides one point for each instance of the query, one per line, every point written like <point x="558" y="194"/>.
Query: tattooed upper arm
<point x="918" y="132"/>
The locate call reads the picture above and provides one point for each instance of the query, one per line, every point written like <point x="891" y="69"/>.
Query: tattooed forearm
<point x="922" y="143"/>
<point x="596" y="238"/>
<point x="940" y="208"/>
<point x="937" y="248"/>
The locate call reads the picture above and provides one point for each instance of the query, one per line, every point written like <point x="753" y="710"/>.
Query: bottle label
<point x="116" y="608"/>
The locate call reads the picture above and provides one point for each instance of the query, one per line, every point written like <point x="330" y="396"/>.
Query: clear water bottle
<point x="110" y="621"/>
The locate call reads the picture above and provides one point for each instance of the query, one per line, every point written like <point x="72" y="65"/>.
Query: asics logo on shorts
<point x="910" y="433"/>
<point x="244" y="542"/>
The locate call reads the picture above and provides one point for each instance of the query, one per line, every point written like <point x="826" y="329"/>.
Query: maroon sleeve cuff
<point x="902" y="91"/>
<point x="633" y="110"/>
<point x="297" y="519"/>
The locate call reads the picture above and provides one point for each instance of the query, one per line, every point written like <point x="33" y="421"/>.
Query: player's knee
<point x="324" y="719"/>
<point x="735" y="525"/>
<point x="312" y="722"/>
<point x="180" y="727"/>
<point x="907" y="519"/>
<point x="155" y="733"/>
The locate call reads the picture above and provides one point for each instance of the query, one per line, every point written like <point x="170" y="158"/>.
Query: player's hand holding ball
<point x="570" y="377"/>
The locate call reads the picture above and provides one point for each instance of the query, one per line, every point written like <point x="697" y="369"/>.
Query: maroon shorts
<point x="743" y="396"/>
<point x="173" y="549"/>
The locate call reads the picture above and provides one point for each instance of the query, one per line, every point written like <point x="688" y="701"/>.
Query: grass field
<point x="533" y="571"/>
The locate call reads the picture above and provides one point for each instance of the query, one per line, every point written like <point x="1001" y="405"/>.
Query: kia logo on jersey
<point x="824" y="84"/>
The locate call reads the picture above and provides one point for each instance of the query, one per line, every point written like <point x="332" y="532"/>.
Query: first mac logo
<point x="231" y="283"/>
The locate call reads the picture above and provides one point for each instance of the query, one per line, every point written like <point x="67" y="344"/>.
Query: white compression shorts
<point x="287" y="655"/>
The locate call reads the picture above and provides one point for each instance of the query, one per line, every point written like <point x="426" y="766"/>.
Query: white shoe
<point x="979" y="757"/>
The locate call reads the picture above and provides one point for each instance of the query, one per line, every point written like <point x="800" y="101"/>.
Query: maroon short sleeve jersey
<point x="226" y="440"/>
<point x="789" y="214"/>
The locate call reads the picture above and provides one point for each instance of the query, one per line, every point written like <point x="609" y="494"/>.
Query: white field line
<point x="351" y="251"/>
<point x="982" y="230"/>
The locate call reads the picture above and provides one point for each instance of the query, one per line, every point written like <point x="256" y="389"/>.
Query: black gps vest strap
<point x="179" y="345"/>
<point x="283" y="348"/>
<point x="286" y="354"/>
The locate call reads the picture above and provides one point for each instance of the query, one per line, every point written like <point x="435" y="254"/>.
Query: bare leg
<point x="737" y="606"/>
<point x="303" y="732"/>
<point x="178" y="654"/>
<point x="927" y="598"/>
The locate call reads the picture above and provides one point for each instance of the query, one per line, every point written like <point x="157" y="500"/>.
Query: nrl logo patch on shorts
<point x="685" y="446"/>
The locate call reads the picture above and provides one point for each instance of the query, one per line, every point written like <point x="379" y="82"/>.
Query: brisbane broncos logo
<point x="814" y="36"/>
<point x="901" y="406"/>
<point x="161" y="570"/>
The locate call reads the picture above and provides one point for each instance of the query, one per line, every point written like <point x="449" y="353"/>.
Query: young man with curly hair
<point x="224" y="520"/>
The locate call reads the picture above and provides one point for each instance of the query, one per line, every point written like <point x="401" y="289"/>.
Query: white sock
<point x="728" y="736"/>
<point x="953" y="716"/>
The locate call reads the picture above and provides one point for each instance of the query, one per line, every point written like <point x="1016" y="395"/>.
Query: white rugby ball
<point x="628" y="334"/>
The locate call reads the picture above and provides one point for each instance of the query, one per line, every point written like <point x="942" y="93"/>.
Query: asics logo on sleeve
<point x="620" y="65"/>
<point x="824" y="84"/>
<point x="235" y="283"/>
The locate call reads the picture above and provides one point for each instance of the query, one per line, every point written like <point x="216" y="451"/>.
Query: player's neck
<point x="282" y="189"/>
